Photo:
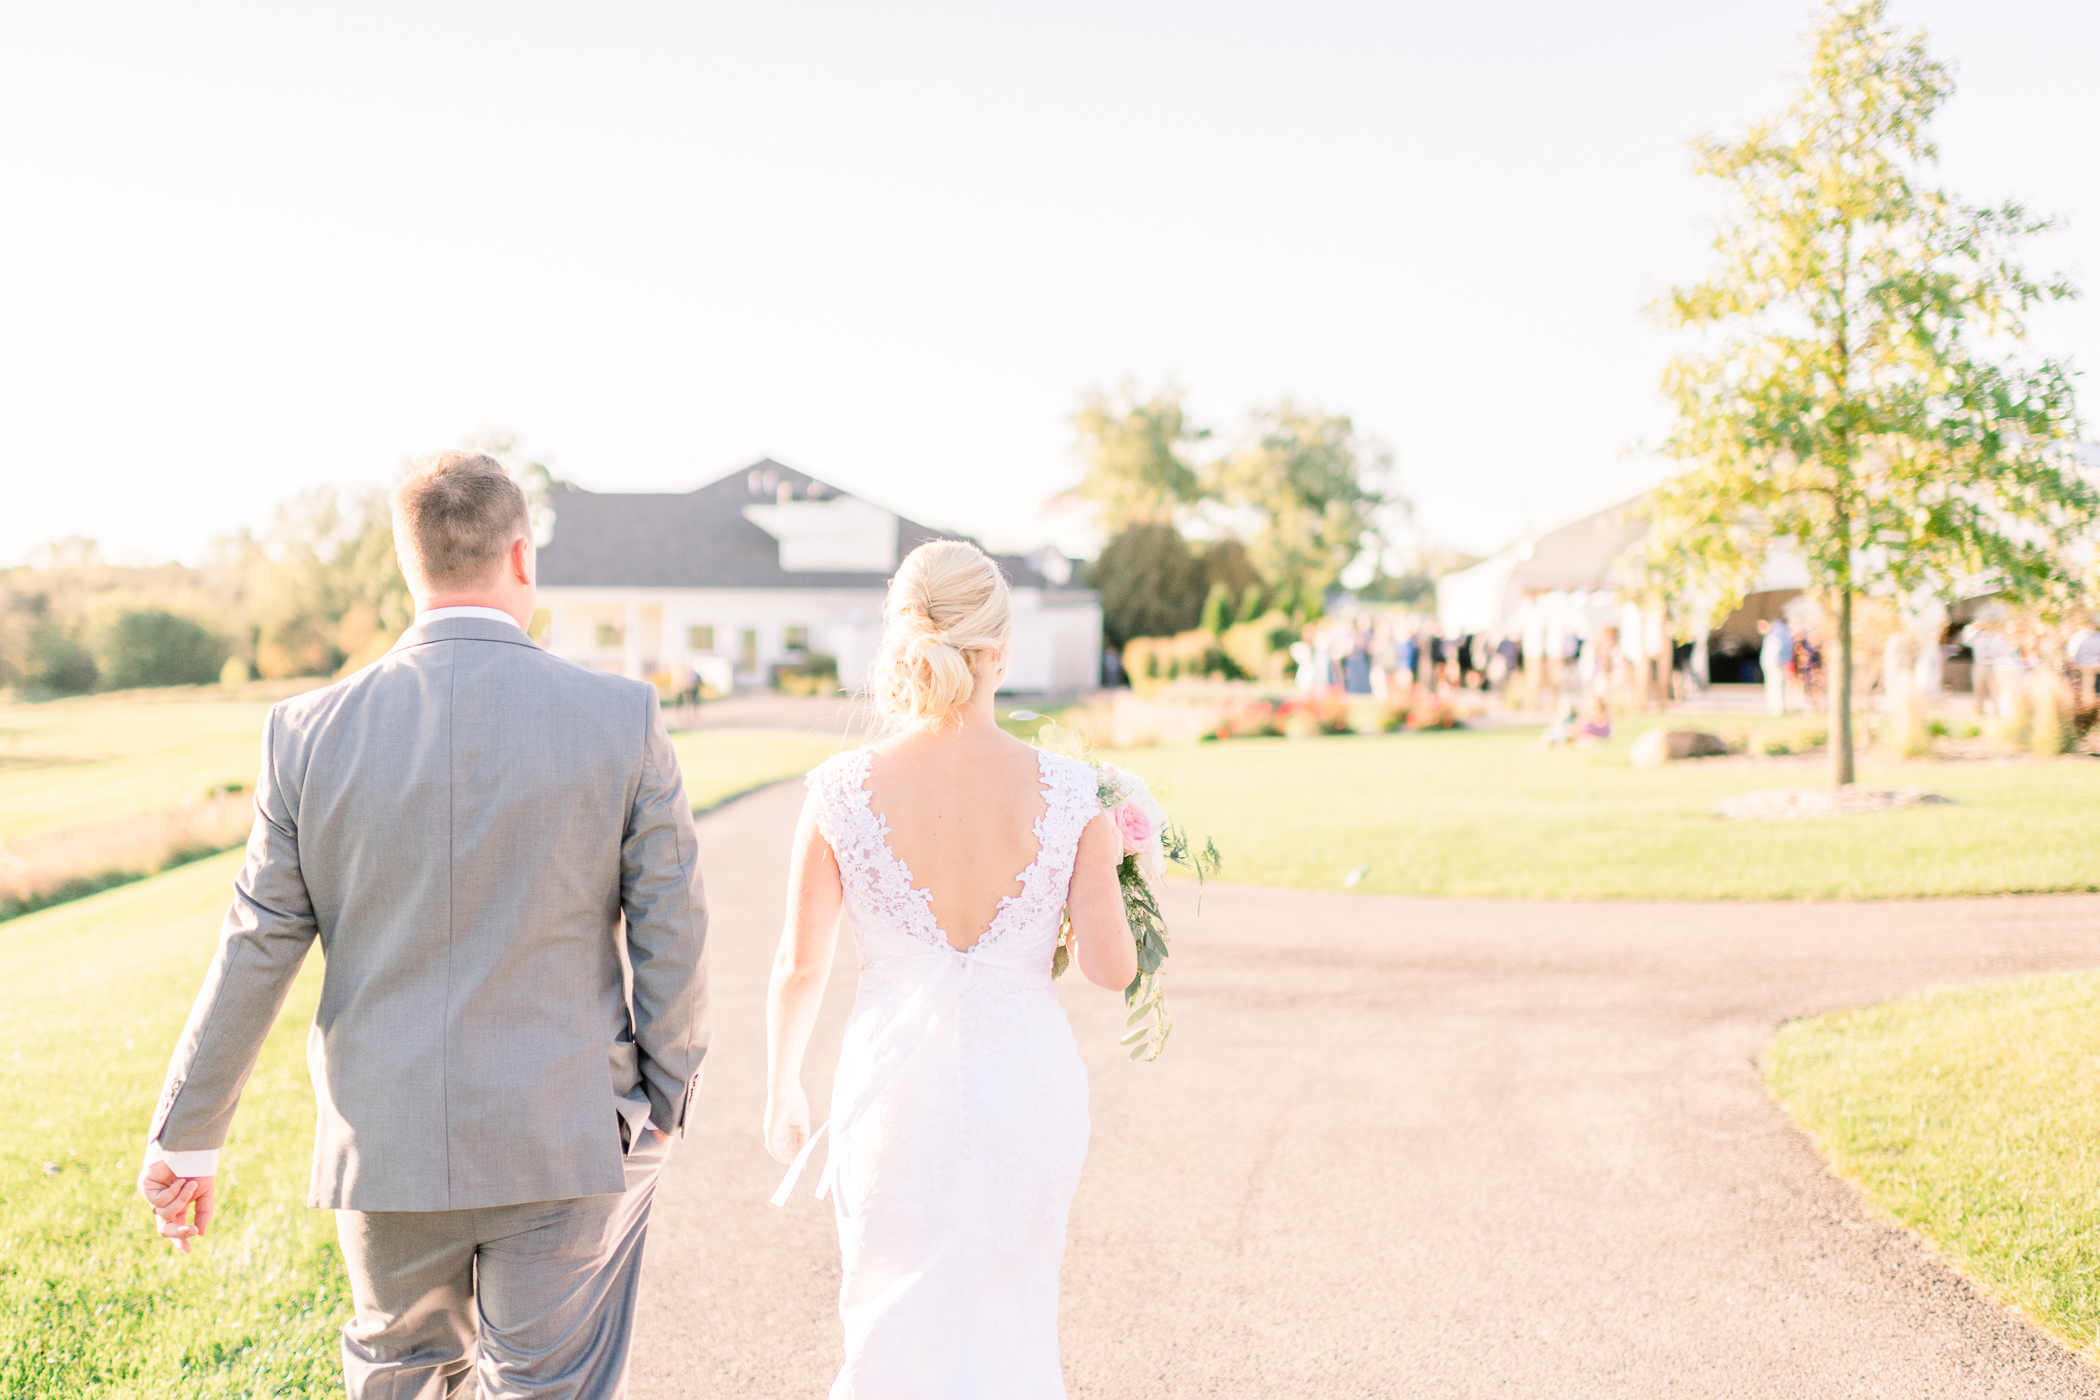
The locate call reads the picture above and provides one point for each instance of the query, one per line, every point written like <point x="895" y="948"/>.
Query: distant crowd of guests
<point x="1791" y="665"/>
<point x="1384" y="656"/>
<point x="2000" y="665"/>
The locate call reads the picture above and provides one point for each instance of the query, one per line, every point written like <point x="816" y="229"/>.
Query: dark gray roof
<point x="700" y="538"/>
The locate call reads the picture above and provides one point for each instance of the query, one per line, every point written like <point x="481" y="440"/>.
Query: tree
<point x="1848" y="402"/>
<point x="151" y="646"/>
<point x="325" y="588"/>
<point x="1312" y="489"/>
<point x="294" y="587"/>
<point x="1151" y="584"/>
<point x="1234" y="590"/>
<point x="1138" y="471"/>
<point x="381" y="608"/>
<point x="57" y="660"/>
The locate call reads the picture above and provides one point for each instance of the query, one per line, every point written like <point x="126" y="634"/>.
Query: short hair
<point x="455" y="514"/>
<point x="948" y="612"/>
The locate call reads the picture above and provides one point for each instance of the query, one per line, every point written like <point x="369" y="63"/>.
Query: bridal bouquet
<point x="1150" y="840"/>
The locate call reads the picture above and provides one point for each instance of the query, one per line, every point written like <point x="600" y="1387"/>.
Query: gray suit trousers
<point x="532" y="1301"/>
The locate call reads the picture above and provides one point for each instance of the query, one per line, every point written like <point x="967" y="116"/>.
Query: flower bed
<point x="1333" y="712"/>
<point x="1416" y="710"/>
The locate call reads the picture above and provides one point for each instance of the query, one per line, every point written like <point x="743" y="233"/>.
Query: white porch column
<point x="631" y="641"/>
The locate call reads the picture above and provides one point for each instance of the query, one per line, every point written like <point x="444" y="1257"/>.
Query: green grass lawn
<point x="1492" y="813"/>
<point x="73" y="762"/>
<point x="719" y="764"/>
<point x="100" y="790"/>
<point x="76" y="762"/>
<point x="1969" y="1115"/>
<point x="91" y="1303"/>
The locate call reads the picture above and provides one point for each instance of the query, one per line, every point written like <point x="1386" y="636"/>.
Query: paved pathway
<point x="1406" y="1147"/>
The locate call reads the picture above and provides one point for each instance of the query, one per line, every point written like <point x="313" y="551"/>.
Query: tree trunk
<point x="1840" y="681"/>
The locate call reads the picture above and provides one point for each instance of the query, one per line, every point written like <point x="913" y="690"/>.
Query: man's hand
<point x="182" y="1205"/>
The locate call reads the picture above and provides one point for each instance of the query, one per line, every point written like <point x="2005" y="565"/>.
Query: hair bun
<point x="948" y="610"/>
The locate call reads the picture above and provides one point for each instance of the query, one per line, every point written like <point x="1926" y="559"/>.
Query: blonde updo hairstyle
<point x="946" y="621"/>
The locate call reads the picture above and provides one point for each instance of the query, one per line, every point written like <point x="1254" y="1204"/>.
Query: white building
<point x="768" y="566"/>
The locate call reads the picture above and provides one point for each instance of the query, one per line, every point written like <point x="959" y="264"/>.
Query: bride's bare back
<point x="961" y="806"/>
<point x="959" y="801"/>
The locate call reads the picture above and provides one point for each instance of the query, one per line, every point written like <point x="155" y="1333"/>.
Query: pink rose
<point x="1134" y="824"/>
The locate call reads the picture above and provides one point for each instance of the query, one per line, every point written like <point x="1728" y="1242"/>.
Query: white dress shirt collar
<point x="439" y="614"/>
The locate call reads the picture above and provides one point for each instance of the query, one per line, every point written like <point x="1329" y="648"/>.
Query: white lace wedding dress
<point x="959" y="1115"/>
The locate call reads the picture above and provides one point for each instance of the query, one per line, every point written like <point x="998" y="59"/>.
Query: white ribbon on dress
<point x="933" y="998"/>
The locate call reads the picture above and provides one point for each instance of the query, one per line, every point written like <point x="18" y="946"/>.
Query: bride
<point x="959" y="1111"/>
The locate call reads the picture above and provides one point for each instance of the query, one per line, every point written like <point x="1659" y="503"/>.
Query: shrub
<point x="1904" y="730"/>
<point x="152" y="647"/>
<point x="2050" y="729"/>
<point x="58" y="662"/>
<point x="1155" y="660"/>
<point x="1255" y="650"/>
<point x="1805" y="736"/>
<point x="1151" y="585"/>
<point x="814" y="674"/>
<point x="2009" y="729"/>
<point x="1259" y="647"/>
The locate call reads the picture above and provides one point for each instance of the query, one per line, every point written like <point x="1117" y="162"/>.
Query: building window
<point x="699" y="639"/>
<point x="609" y="634"/>
<point x="795" y="638"/>
<point x="747" y="651"/>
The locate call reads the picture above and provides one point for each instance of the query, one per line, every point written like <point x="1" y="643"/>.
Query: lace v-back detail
<point x="874" y="873"/>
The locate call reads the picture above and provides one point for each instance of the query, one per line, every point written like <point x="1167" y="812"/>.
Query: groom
<point x="481" y="836"/>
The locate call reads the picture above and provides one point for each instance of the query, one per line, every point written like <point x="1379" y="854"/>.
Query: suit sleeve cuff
<point x="204" y="1162"/>
<point x="637" y="1116"/>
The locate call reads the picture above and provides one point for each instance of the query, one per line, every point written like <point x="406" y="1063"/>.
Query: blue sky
<point x="254" y="248"/>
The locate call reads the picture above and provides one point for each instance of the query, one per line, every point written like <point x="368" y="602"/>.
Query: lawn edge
<point x="1880" y="1213"/>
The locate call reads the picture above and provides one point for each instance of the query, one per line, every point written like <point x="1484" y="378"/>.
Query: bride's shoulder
<point x="845" y="761"/>
<point x="1074" y="776"/>
<point x="838" y="775"/>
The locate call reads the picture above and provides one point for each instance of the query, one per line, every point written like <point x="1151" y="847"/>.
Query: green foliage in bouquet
<point x="1149" y="1025"/>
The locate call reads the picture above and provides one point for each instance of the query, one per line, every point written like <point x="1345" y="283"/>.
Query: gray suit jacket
<point x="481" y="836"/>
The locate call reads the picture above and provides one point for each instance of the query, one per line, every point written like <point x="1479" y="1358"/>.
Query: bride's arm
<point x="1103" y="947"/>
<point x="800" y="970"/>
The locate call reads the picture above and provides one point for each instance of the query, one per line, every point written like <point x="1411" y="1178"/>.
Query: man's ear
<point x="521" y="560"/>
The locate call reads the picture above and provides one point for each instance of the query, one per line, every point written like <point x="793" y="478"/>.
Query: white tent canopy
<point x="1566" y="581"/>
